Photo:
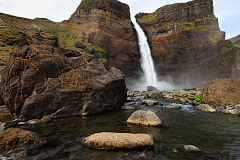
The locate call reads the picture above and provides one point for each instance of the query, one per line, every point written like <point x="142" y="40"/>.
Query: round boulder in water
<point x="111" y="141"/>
<point x="146" y="118"/>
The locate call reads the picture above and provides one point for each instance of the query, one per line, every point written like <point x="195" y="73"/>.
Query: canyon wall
<point x="107" y="23"/>
<point x="187" y="44"/>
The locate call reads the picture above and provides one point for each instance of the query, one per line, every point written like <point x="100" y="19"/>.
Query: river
<point x="215" y="133"/>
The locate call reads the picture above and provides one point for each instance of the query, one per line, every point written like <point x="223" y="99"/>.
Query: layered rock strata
<point x="186" y="43"/>
<point x="43" y="80"/>
<point x="107" y="23"/>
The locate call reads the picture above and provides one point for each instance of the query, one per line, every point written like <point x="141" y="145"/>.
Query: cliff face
<point x="186" y="42"/>
<point x="236" y="40"/>
<point x="107" y="23"/>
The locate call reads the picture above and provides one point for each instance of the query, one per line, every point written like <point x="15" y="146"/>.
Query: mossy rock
<point x="13" y="138"/>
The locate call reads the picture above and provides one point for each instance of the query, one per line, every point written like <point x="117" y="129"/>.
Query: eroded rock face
<point x="113" y="141"/>
<point x="107" y="23"/>
<point x="41" y="80"/>
<point x="222" y="92"/>
<point x="187" y="44"/>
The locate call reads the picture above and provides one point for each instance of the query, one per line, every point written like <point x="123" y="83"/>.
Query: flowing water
<point x="150" y="76"/>
<point x="218" y="135"/>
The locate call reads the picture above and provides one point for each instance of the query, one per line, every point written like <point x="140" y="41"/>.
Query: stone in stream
<point x="149" y="102"/>
<point x="111" y="141"/>
<point x="191" y="148"/>
<point x="16" y="137"/>
<point x="146" y="118"/>
<point x="176" y="106"/>
<point x="128" y="108"/>
<point x="206" y="107"/>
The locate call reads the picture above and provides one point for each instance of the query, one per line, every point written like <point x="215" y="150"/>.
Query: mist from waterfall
<point x="149" y="77"/>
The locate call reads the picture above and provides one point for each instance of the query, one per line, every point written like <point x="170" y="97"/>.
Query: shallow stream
<point x="218" y="135"/>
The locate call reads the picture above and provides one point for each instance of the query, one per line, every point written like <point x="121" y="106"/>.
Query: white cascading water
<point x="146" y="60"/>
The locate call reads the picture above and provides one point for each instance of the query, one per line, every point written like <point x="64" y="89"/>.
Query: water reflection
<point x="215" y="133"/>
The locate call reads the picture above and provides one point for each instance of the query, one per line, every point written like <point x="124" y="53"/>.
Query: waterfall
<point x="150" y="76"/>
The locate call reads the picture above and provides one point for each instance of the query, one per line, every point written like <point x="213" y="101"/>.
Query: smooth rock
<point x="33" y="121"/>
<point x="153" y="95"/>
<point x="191" y="148"/>
<point x="45" y="119"/>
<point x="206" y="107"/>
<point x="149" y="102"/>
<point x="151" y="88"/>
<point x="234" y="111"/>
<point x="176" y="106"/>
<point x="128" y="108"/>
<point x="111" y="141"/>
<point x="147" y="118"/>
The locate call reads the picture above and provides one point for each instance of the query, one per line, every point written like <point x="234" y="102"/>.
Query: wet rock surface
<point x="206" y="107"/>
<point x="112" y="141"/>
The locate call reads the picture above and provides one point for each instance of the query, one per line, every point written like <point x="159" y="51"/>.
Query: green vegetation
<point x="226" y="52"/>
<point x="198" y="98"/>
<point x="66" y="37"/>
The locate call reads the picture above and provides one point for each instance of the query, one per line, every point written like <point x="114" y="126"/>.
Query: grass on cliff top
<point x="66" y="37"/>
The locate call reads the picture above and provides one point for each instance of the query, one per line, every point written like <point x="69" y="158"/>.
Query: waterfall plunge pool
<point x="215" y="133"/>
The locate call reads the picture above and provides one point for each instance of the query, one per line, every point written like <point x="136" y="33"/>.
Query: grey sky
<point x="227" y="11"/>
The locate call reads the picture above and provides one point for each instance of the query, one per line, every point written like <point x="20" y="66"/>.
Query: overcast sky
<point x="227" y="11"/>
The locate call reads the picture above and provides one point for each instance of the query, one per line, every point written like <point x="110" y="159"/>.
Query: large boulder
<point x="146" y="118"/>
<point x="42" y="80"/>
<point x="112" y="141"/>
<point x="14" y="138"/>
<point x="222" y="92"/>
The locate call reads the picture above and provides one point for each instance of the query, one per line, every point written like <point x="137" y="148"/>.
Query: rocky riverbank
<point x="224" y="88"/>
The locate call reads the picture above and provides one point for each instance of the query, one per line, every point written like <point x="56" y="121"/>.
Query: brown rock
<point x="222" y="92"/>
<point x="107" y="23"/>
<point x="13" y="138"/>
<point x="112" y="141"/>
<point x="146" y="118"/>
<point x="45" y="119"/>
<point x="191" y="148"/>
<point x="149" y="102"/>
<point x="206" y="107"/>
<point x="187" y="44"/>
<point x="48" y="81"/>
<point x="199" y="89"/>
<point x="128" y="108"/>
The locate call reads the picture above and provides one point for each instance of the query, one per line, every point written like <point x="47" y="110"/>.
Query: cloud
<point x="58" y="10"/>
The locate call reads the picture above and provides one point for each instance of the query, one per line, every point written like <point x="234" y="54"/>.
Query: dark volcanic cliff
<point x="107" y="23"/>
<point x="187" y="43"/>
